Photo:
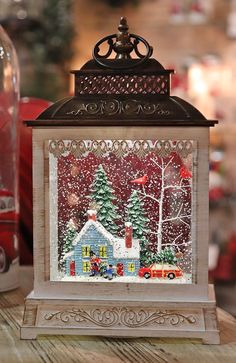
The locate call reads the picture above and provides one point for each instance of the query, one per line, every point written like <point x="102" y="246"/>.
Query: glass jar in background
<point x="9" y="206"/>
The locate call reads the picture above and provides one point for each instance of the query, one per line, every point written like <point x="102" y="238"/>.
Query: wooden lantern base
<point x="174" y="319"/>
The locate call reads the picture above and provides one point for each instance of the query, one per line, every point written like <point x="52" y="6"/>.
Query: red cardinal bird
<point x="185" y="173"/>
<point x="140" y="181"/>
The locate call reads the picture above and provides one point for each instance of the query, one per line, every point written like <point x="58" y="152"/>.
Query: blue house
<point x="122" y="253"/>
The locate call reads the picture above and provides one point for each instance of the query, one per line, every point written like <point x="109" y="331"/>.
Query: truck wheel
<point x="147" y="275"/>
<point x="171" y="276"/>
<point x="4" y="263"/>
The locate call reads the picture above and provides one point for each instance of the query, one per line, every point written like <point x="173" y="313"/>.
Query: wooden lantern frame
<point x="119" y="100"/>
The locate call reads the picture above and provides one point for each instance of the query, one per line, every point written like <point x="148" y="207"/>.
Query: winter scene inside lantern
<point x="121" y="204"/>
<point x="123" y="210"/>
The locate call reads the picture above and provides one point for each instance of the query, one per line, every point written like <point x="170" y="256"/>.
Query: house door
<point x="72" y="268"/>
<point x="120" y="269"/>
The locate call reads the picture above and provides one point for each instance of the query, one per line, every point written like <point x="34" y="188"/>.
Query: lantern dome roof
<point x="122" y="91"/>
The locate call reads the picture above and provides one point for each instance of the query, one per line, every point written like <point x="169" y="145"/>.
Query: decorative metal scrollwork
<point x="123" y="44"/>
<point x="122" y="84"/>
<point x="116" y="107"/>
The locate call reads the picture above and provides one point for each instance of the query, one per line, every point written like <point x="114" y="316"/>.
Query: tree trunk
<point x="159" y="231"/>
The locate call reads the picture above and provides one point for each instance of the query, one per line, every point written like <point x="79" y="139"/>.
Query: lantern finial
<point x="123" y="44"/>
<point x="123" y="26"/>
<point x="123" y="47"/>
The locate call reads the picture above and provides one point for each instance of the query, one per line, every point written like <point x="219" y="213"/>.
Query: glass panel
<point x="129" y="201"/>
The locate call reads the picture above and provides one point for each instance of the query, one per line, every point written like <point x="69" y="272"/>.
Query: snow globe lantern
<point x="121" y="205"/>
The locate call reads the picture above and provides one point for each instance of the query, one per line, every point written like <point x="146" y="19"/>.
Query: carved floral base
<point x="74" y="317"/>
<point x="122" y="317"/>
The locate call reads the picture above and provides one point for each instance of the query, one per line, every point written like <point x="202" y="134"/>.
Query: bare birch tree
<point x="166" y="187"/>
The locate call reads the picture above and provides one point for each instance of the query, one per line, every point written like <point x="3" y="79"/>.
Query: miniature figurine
<point x="120" y="269"/>
<point x="103" y="268"/>
<point x="109" y="272"/>
<point x="94" y="269"/>
<point x="94" y="264"/>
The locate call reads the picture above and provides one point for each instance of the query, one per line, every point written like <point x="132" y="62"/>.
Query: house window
<point x="131" y="267"/>
<point x="103" y="251"/>
<point x="85" y="251"/>
<point x="86" y="266"/>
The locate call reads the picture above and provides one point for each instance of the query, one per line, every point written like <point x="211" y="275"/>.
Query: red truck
<point x="160" y="270"/>
<point x="8" y="230"/>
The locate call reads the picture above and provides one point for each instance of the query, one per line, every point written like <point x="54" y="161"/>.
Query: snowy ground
<point x="186" y="279"/>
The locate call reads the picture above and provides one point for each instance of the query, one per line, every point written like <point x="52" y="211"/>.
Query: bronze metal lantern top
<point x="122" y="91"/>
<point x="123" y="44"/>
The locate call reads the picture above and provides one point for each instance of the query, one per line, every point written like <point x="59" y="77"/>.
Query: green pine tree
<point x="167" y="255"/>
<point x="69" y="236"/>
<point x="136" y="215"/>
<point x="103" y="195"/>
<point x="147" y="257"/>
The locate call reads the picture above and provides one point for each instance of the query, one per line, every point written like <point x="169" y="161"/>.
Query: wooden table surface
<point x="78" y="349"/>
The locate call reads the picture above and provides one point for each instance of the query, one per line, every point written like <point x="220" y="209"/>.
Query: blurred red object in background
<point x="225" y="269"/>
<point x="29" y="109"/>
<point x="232" y="245"/>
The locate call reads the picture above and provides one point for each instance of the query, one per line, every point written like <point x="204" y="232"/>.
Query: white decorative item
<point x="130" y="256"/>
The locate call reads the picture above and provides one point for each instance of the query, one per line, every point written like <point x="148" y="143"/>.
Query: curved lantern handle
<point x="123" y="44"/>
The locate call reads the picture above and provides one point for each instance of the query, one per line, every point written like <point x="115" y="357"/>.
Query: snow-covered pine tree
<point x="136" y="215"/>
<point x="69" y="236"/>
<point x="147" y="257"/>
<point x="167" y="255"/>
<point x="103" y="195"/>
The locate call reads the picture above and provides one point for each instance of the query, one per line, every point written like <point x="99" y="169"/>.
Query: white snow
<point x="186" y="279"/>
<point x="128" y="224"/>
<point x="119" y="248"/>
<point x="71" y="224"/>
<point x="91" y="212"/>
<point x="68" y="254"/>
<point x="98" y="226"/>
